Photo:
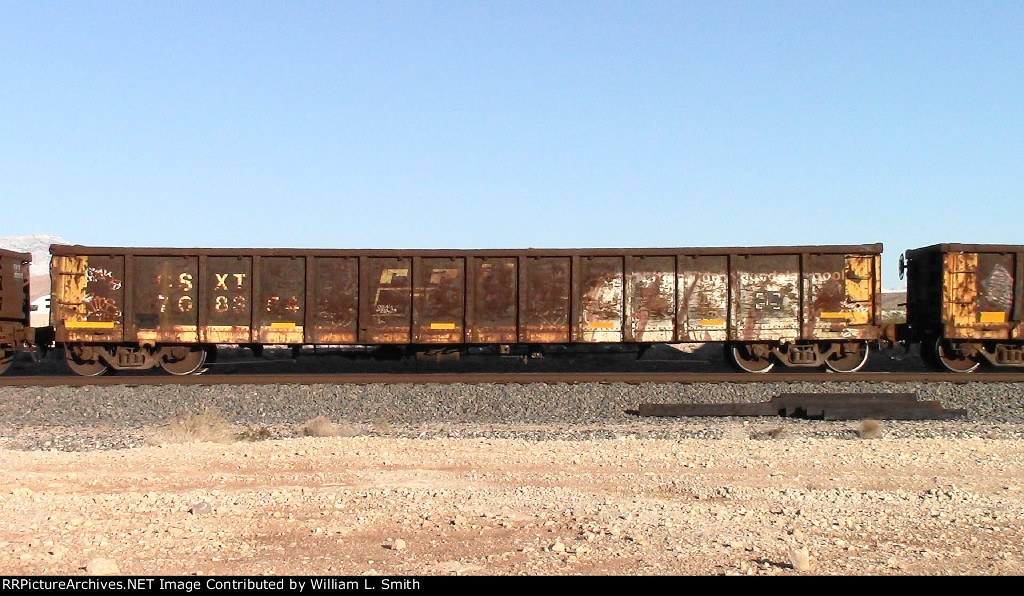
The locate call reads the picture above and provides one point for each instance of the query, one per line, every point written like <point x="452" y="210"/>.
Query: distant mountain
<point x="38" y="245"/>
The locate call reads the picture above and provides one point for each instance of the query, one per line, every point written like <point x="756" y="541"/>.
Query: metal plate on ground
<point x="819" y="406"/>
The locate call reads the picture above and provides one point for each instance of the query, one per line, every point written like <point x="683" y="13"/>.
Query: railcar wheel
<point x="745" y="357"/>
<point x="951" y="358"/>
<point x="6" y="359"/>
<point x="83" y="367"/>
<point x="184" y="360"/>
<point x="853" y="358"/>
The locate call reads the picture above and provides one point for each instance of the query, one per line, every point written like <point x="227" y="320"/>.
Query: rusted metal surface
<point x="385" y="313"/>
<point x="600" y="291"/>
<point x="281" y="302"/>
<point x="226" y="315"/>
<point x="966" y="291"/>
<point x="965" y="304"/>
<point x="703" y="298"/>
<point x="825" y="406"/>
<point x="87" y="298"/>
<point x="15" y="332"/>
<point x="14" y="290"/>
<point x="839" y="296"/>
<point x="978" y="295"/>
<point x="544" y="299"/>
<point x="439" y="308"/>
<point x="165" y="306"/>
<point x="766" y="300"/>
<point x="79" y="250"/>
<point x="155" y="296"/>
<point x="650" y="298"/>
<point x="334" y="294"/>
<point x="492" y="297"/>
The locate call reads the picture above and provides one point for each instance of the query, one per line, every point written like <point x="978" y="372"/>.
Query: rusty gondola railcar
<point x="15" y="332"/>
<point x="127" y="308"/>
<point x="965" y="304"/>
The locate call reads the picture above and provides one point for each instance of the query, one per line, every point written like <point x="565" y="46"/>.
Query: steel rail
<point x="524" y="378"/>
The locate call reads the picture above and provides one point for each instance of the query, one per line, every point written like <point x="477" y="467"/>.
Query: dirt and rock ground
<point x="763" y="497"/>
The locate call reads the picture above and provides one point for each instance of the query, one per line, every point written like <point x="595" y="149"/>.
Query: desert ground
<point x="762" y="497"/>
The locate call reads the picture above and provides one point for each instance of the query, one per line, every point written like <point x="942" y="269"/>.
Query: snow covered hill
<point x="38" y="245"/>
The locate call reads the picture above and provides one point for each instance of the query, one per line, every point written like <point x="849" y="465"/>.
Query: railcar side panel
<point x="839" y="296"/>
<point x="14" y="276"/>
<point x="88" y="298"/>
<point x="703" y="298"/>
<point x="650" y="298"/>
<point x="439" y="300"/>
<point x="599" y="292"/>
<point x="492" y="295"/>
<point x="333" y="298"/>
<point x="165" y="305"/>
<point x="14" y="303"/>
<point x="765" y="298"/>
<point x="279" y="314"/>
<point x="385" y="298"/>
<point x="227" y="300"/>
<point x="978" y="295"/>
<point x="544" y="299"/>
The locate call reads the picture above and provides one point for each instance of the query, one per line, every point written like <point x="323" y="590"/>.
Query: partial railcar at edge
<point x="965" y="304"/>
<point x="15" y="332"/>
<point x="137" y="308"/>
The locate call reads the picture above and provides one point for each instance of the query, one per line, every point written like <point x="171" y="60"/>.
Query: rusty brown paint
<point x="175" y="334"/>
<point x="165" y="305"/>
<point x="600" y="300"/>
<point x="544" y="300"/>
<point x="965" y="292"/>
<point x="14" y="280"/>
<point x="978" y="295"/>
<point x="14" y="304"/>
<point x="88" y="297"/>
<point x="492" y="314"/>
<point x="650" y="299"/>
<point x="439" y="307"/>
<point x="280" y="306"/>
<point x="840" y="297"/>
<point x="703" y="298"/>
<point x="452" y="297"/>
<point x="228" y="297"/>
<point x="766" y="298"/>
<point x="386" y="299"/>
<point x="335" y="295"/>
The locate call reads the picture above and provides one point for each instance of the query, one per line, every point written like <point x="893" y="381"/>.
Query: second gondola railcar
<point x="965" y="304"/>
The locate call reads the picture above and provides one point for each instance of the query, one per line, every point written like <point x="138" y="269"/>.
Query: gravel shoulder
<point x="502" y="480"/>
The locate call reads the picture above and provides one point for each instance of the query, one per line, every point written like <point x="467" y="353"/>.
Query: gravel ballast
<point x="77" y="418"/>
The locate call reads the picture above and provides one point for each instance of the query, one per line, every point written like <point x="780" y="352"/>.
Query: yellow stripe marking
<point x="89" y="324"/>
<point x="447" y="326"/>
<point x="602" y="325"/>
<point x="283" y="325"/>
<point x="991" y="317"/>
<point x="836" y="315"/>
<point x="712" y="322"/>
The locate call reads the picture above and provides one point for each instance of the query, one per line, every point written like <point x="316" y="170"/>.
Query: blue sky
<point x="399" y="124"/>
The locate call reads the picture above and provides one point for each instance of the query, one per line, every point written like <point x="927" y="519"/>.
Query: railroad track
<point x="363" y="378"/>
